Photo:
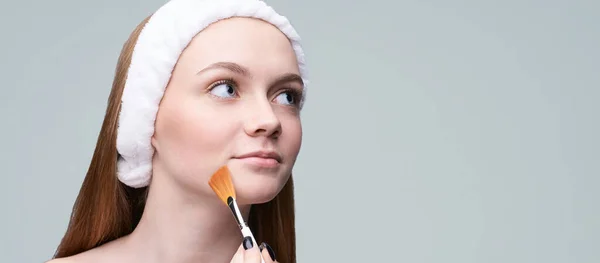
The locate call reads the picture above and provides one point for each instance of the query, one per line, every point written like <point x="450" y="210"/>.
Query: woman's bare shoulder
<point x="108" y="252"/>
<point x="79" y="258"/>
<point x="89" y="256"/>
<point x="64" y="260"/>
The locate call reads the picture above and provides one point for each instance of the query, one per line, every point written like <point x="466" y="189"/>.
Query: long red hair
<point x="106" y="209"/>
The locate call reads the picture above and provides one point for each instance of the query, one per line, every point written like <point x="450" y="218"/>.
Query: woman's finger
<point x="238" y="257"/>
<point x="251" y="253"/>
<point x="267" y="253"/>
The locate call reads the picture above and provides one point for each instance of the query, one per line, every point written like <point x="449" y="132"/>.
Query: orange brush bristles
<point x="221" y="183"/>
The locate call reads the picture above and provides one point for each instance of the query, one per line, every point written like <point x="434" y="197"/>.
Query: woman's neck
<point x="179" y="229"/>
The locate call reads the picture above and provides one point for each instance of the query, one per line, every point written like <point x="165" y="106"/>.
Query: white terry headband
<point x="160" y="43"/>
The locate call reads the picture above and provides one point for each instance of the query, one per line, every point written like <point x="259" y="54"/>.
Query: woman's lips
<point x="260" y="161"/>
<point x="267" y="159"/>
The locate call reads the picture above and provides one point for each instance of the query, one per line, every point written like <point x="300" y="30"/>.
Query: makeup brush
<point x="222" y="185"/>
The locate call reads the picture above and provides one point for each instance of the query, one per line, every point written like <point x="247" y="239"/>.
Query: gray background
<point x="435" y="131"/>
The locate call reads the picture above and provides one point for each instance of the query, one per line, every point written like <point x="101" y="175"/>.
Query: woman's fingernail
<point x="269" y="249"/>
<point x="247" y="243"/>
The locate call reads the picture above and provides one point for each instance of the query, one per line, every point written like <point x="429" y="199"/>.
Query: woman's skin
<point x="233" y="99"/>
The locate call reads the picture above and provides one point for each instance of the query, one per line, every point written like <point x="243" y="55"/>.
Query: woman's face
<point x="233" y="99"/>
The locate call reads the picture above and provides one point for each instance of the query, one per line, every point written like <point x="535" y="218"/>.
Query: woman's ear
<point x="153" y="143"/>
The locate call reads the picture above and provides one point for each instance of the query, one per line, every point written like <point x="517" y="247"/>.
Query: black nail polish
<point x="247" y="243"/>
<point x="269" y="249"/>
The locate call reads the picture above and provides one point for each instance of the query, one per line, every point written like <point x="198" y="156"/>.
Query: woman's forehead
<point x="249" y="42"/>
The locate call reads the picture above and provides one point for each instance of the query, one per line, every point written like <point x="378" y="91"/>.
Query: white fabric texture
<point x="160" y="43"/>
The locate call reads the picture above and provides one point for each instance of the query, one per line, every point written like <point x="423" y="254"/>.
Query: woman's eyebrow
<point x="241" y="70"/>
<point x="286" y="78"/>
<point x="233" y="67"/>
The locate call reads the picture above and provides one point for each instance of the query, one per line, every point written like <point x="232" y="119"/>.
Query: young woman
<point x="198" y="85"/>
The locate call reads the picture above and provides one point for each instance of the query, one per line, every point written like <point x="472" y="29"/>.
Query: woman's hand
<point x="250" y="253"/>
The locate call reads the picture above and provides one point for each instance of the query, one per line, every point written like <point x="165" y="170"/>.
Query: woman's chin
<point x="257" y="185"/>
<point x="257" y="190"/>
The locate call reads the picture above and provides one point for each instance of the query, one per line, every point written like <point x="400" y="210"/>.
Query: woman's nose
<point x="261" y="120"/>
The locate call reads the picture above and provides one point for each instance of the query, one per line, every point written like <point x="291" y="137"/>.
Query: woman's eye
<point x="224" y="90"/>
<point x="287" y="98"/>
